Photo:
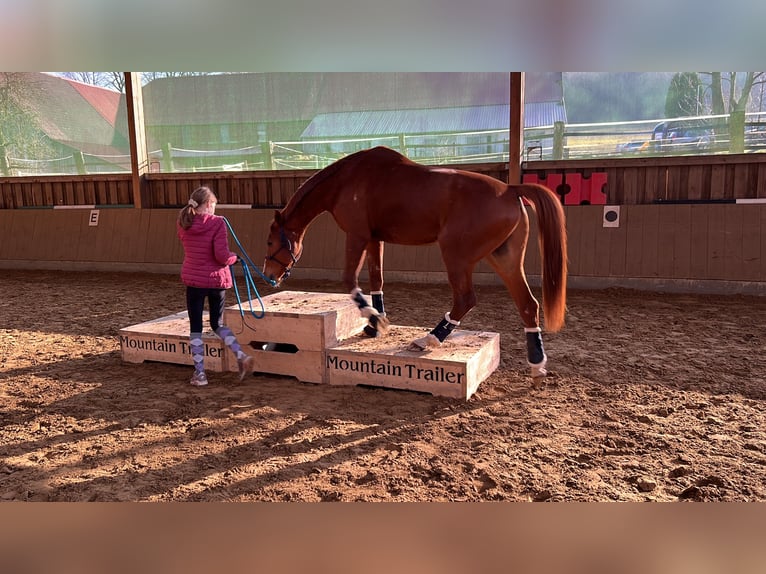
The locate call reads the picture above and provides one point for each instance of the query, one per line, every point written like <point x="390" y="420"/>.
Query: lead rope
<point x="247" y="264"/>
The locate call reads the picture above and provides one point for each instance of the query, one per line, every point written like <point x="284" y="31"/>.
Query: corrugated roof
<point x="544" y="114"/>
<point x="443" y="120"/>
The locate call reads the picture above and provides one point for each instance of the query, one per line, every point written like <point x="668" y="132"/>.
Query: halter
<point x="285" y="244"/>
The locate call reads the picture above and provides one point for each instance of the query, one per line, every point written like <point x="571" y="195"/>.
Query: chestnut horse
<point x="378" y="195"/>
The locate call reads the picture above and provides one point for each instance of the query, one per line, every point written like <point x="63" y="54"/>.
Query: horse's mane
<point x="308" y="186"/>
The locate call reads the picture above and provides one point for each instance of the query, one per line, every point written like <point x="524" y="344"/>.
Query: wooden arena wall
<point x="638" y="181"/>
<point x="704" y="247"/>
<point x="673" y="231"/>
<point x="647" y="180"/>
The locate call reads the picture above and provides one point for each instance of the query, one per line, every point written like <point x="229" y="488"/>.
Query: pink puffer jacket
<point x="206" y="253"/>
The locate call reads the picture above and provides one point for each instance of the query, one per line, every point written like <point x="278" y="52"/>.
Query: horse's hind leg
<point x="508" y="262"/>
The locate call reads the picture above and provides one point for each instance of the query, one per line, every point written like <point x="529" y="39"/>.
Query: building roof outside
<point x="431" y="120"/>
<point x="61" y="108"/>
<point x="74" y="114"/>
<point x="93" y="119"/>
<point x="106" y="102"/>
<point x="298" y="96"/>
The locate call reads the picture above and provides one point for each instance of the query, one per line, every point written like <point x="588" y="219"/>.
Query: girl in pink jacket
<point x="205" y="272"/>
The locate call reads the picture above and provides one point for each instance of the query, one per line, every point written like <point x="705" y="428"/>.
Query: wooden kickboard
<point x="455" y="369"/>
<point x="166" y="340"/>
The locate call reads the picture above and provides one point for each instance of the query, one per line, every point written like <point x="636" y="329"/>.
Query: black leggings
<point x="195" y="305"/>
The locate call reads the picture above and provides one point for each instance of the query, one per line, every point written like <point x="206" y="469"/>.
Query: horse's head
<point x="283" y="249"/>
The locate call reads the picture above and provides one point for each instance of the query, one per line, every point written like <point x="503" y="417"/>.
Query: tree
<point x="606" y="96"/>
<point x="147" y="77"/>
<point x="683" y="95"/>
<point x="20" y="133"/>
<point x="731" y="96"/>
<point x="116" y="80"/>
<point x="111" y="80"/>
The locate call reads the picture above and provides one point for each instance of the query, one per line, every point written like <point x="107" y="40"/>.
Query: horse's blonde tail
<point x="551" y="224"/>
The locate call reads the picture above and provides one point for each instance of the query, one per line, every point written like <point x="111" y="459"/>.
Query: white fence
<point x="564" y="141"/>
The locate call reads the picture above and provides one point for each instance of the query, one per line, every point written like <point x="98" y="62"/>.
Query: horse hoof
<point x="538" y="382"/>
<point x="538" y="374"/>
<point x="428" y="342"/>
<point x="383" y="324"/>
<point x="370" y="331"/>
<point x="538" y="371"/>
<point x="379" y="323"/>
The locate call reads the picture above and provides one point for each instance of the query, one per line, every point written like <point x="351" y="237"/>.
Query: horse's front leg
<point x="378" y="323"/>
<point x="356" y="250"/>
<point x="463" y="300"/>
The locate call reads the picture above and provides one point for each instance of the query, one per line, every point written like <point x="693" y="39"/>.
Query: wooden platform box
<point x="299" y="326"/>
<point x="167" y="340"/>
<point x="455" y="369"/>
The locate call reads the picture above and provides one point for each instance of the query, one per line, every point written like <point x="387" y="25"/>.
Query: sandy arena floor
<point x="651" y="397"/>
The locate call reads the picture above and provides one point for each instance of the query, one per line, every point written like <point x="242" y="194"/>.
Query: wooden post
<point x="516" y="136"/>
<point x="167" y="158"/>
<point x="737" y="131"/>
<point x="139" y="157"/>
<point x="79" y="162"/>
<point x="558" y="140"/>
<point x="4" y="165"/>
<point x="266" y="155"/>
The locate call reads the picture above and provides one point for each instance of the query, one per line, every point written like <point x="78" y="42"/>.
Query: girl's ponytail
<point x="189" y="211"/>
